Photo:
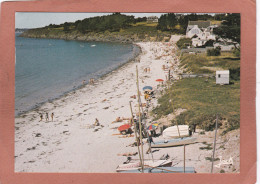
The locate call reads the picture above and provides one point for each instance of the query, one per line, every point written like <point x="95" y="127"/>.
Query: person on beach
<point x="52" y="115"/>
<point x="47" y="116"/>
<point x="41" y="116"/>
<point x="149" y="140"/>
<point x="148" y="69"/>
<point x="91" y="81"/>
<point x="96" y="122"/>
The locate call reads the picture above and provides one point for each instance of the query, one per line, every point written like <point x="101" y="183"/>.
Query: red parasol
<point x="159" y="80"/>
<point x="124" y="127"/>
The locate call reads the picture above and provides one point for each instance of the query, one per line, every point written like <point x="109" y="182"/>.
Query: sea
<point x="47" y="69"/>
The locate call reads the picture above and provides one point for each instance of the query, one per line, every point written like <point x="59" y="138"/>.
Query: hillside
<point x="115" y="28"/>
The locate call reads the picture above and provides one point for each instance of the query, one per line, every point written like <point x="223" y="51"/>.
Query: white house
<point x="222" y="77"/>
<point x="200" y="32"/>
<point x="152" y="19"/>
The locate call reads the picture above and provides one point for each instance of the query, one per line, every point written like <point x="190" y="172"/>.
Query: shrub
<point x="214" y="52"/>
<point x="236" y="53"/>
<point x="222" y="171"/>
<point x="184" y="42"/>
<point x="235" y="73"/>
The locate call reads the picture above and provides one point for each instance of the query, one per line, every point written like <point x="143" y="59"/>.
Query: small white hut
<point x="222" y="77"/>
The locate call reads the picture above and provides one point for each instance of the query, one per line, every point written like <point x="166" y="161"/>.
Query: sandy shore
<point x="70" y="144"/>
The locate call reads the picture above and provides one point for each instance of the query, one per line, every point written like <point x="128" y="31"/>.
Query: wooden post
<point x="213" y="156"/>
<point x="140" y="102"/>
<point x="136" y="134"/>
<point x="140" y="125"/>
<point x="169" y="75"/>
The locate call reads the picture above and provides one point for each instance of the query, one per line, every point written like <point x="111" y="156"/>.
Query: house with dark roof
<point x="200" y="32"/>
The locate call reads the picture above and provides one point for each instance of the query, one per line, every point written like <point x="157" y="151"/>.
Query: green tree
<point x="162" y="23"/>
<point x="229" y="31"/>
<point x="171" y="20"/>
<point x="66" y="27"/>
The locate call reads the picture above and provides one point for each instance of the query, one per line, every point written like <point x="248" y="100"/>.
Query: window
<point x="218" y="75"/>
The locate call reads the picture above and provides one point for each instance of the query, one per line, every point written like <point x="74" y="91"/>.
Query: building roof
<point x="152" y="17"/>
<point x="223" y="72"/>
<point x="201" y="24"/>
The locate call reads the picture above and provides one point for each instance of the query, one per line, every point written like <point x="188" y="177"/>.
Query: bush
<point x="236" y="53"/>
<point x="235" y="73"/>
<point x="233" y="124"/>
<point x="214" y="52"/>
<point x="184" y="42"/>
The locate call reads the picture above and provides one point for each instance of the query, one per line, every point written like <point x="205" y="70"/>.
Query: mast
<point x="140" y="102"/>
<point x="136" y="134"/>
<point x="140" y="125"/>
<point x="213" y="156"/>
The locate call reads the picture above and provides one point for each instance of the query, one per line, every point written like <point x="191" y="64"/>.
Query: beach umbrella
<point x="155" y="124"/>
<point x="151" y="127"/>
<point x="159" y="80"/>
<point x="147" y="88"/>
<point x="124" y="127"/>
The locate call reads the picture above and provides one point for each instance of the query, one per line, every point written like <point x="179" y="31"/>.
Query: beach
<point x="72" y="144"/>
<point x="68" y="144"/>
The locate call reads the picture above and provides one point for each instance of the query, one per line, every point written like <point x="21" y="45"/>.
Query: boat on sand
<point x="174" y="142"/>
<point x="173" y="132"/>
<point x="162" y="170"/>
<point x="147" y="164"/>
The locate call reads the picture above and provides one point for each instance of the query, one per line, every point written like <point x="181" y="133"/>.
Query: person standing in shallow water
<point x="47" y="116"/>
<point x="52" y="115"/>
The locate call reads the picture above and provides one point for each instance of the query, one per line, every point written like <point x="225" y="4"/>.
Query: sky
<point x="41" y="19"/>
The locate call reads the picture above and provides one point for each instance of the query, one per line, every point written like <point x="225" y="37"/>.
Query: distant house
<point x="196" y="28"/>
<point x="222" y="77"/>
<point x="196" y="50"/>
<point x="224" y="47"/>
<point x="152" y="19"/>
<point x="200" y="32"/>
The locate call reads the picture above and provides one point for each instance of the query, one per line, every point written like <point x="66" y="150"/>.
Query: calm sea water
<point x="48" y="68"/>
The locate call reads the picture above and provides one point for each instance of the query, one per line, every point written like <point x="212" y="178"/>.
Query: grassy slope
<point x="209" y="64"/>
<point x="202" y="98"/>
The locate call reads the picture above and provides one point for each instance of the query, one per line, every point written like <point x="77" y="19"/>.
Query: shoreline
<point x="71" y="91"/>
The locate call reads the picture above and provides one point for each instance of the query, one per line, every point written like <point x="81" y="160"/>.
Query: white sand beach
<point x="68" y="144"/>
<point x="71" y="144"/>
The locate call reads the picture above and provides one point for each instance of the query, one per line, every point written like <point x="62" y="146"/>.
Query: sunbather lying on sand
<point x="118" y="119"/>
<point x="134" y="96"/>
<point x="127" y="154"/>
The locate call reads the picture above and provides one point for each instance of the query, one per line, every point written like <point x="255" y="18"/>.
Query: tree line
<point x="111" y="23"/>
<point x="168" y="22"/>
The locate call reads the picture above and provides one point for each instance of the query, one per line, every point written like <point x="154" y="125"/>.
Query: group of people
<point x="46" y="116"/>
<point x="91" y="81"/>
<point x="147" y="70"/>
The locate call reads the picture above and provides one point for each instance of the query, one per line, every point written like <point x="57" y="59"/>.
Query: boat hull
<point x="147" y="164"/>
<point x="163" y="170"/>
<point x="174" y="142"/>
<point x="173" y="132"/>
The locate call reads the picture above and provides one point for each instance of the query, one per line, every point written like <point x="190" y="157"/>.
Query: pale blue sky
<point x="41" y="19"/>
